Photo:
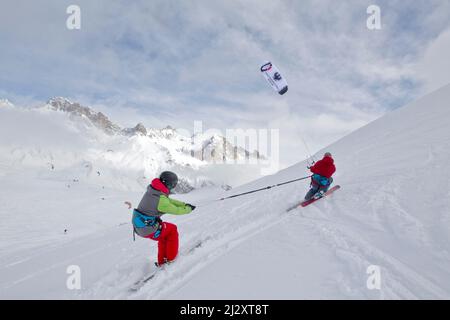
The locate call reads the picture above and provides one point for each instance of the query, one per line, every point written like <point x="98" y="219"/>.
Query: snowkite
<point x="273" y="76"/>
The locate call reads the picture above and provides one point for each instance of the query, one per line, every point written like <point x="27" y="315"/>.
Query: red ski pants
<point x="167" y="242"/>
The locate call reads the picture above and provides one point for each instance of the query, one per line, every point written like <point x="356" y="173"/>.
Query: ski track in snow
<point x="386" y="214"/>
<point x="357" y="254"/>
<point x="327" y="217"/>
<point x="213" y="246"/>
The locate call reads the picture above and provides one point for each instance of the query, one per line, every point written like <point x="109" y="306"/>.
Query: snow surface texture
<point x="393" y="211"/>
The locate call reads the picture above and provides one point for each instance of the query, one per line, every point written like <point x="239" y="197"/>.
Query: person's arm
<point x="316" y="166"/>
<point x="333" y="170"/>
<point x="172" y="206"/>
<point x="176" y="203"/>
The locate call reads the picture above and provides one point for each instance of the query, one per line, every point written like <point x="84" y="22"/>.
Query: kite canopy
<point x="273" y="76"/>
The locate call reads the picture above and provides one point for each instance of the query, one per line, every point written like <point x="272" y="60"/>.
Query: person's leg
<point x="160" y="236"/>
<point x="167" y="243"/>
<point x="311" y="192"/>
<point x="162" y="244"/>
<point x="171" y="241"/>
<point x="325" y="189"/>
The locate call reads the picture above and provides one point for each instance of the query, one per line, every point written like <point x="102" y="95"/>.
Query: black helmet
<point x="169" y="179"/>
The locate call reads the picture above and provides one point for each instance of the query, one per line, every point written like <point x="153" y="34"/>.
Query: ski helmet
<point x="327" y="154"/>
<point x="169" y="179"/>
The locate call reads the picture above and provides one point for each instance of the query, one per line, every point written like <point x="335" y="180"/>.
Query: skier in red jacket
<point x="321" y="179"/>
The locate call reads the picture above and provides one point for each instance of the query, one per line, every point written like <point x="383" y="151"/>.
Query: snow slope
<point x="393" y="211"/>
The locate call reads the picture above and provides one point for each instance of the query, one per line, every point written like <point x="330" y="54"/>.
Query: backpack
<point x="144" y="225"/>
<point x="321" y="180"/>
<point x="141" y="220"/>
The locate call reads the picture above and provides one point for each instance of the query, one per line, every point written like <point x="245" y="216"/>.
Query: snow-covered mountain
<point x="4" y="103"/>
<point x="392" y="214"/>
<point x="74" y="109"/>
<point x="97" y="149"/>
<point x="205" y="147"/>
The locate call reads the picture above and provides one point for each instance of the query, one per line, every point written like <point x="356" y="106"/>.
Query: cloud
<point x="434" y="67"/>
<point x="174" y="62"/>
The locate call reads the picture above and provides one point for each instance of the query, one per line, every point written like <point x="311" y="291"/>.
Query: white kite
<point x="273" y="76"/>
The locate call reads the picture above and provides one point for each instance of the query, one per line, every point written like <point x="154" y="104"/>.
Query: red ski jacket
<point x="324" y="167"/>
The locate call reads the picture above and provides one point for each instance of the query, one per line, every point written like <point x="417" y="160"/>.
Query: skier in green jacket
<point x="147" y="221"/>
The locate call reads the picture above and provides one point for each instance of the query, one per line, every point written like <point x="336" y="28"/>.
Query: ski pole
<point x="257" y="190"/>
<point x="265" y="188"/>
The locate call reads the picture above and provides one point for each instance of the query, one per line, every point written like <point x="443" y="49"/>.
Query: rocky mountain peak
<point x="139" y="129"/>
<point x="212" y="147"/>
<point x="75" y="109"/>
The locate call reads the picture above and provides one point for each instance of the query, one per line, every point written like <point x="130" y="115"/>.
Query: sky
<point x="175" y="62"/>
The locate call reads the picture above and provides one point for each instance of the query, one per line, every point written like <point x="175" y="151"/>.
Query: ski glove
<point x="312" y="165"/>
<point x="191" y="206"/>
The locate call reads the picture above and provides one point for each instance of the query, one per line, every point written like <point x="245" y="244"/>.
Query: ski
<point x="140" y="283"/>
<point x="308" y="202"/>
